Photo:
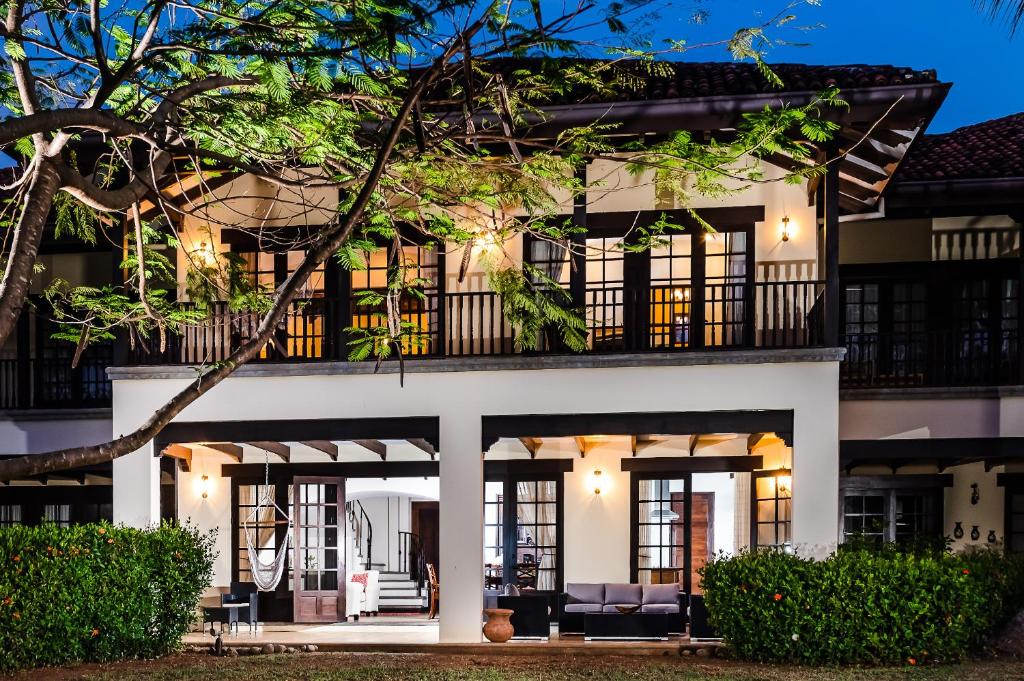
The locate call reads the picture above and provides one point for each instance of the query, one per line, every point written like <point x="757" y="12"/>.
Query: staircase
<point x="400" y="593"/>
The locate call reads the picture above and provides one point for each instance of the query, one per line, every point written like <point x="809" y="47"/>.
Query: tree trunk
<point x="21" y="261"/>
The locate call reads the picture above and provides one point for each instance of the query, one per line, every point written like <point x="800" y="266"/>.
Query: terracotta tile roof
<point x="673" y="80"/>
<point x="993" y="149"/>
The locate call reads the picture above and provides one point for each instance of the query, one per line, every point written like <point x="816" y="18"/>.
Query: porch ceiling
<point x="306" y="451"/>
<point x="639" y="446"/>
<point x="942" y="453"/>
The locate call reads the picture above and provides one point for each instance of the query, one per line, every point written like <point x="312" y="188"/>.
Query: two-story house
<point x="837" y="358"/>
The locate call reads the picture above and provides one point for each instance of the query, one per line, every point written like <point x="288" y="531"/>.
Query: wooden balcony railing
<point x="931" y="359"/>
<point x="460" y="324"/>
<point x="50" y="382"/>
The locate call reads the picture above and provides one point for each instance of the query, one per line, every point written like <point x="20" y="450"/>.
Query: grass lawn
<point x="370" y="667"/>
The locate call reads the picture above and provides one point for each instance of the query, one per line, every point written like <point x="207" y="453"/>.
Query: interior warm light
<point x="786" y="228"/>
<point x="204" y="486"/>
<point x="204" y="255"/>
<point x="597" y="482"/>
<point x="486" y="242"/>
<point x="680" y="294"/>
<point x="785" y="484"/>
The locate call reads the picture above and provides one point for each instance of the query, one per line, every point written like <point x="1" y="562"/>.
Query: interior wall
<point x="987" y="514"/>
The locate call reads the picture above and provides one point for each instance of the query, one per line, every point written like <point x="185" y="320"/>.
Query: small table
<point x="615" y="626"/>
<point x="530" y="615"/>
<point x="225" y="614"/>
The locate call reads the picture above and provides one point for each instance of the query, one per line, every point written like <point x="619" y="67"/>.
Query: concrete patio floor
<point x="416" y="634"/>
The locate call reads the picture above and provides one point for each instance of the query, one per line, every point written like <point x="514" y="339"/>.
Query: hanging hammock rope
<point x="266" y="576"/>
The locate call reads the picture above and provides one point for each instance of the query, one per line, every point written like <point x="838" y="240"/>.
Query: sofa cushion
<point x="622" y="594"/>
<point x="661" y="594"/>
<point x="585" y="593"/>
<point x="671" y="609"/>
<point x="583" y="607"/>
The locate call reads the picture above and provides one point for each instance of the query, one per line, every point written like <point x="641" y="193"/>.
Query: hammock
<point x="266" y="576"/>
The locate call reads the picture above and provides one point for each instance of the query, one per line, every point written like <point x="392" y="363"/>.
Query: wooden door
<point x="319" y="557"/>
<point x="425" y="525"/>
<point x="702" y="535"/>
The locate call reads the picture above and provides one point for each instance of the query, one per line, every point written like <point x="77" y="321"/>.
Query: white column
<point x="816" y="473"/>
<point x="137" y="488"/>
<point x="462" y="529"/>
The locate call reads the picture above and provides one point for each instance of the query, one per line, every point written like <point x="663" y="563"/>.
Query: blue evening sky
<point x="963" y="45"/>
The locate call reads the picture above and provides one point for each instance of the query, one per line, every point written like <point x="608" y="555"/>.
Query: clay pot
<point x="498" y="629"/>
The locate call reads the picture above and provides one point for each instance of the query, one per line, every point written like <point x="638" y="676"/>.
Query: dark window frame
<point x="929" y="488"/>
<point x="635" y="478"/>
<point x="776" y="497"/>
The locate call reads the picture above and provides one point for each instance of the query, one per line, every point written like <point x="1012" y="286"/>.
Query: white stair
<point x="398" y="592"/>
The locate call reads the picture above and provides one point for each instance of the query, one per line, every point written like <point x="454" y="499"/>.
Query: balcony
<point x="748" y="316"/>
<point x="50" y="382"/>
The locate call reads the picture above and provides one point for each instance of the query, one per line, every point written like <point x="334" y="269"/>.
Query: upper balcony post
<point x="1019" y="218"/>
<point x="827" y="204"/>
<point x="578" y="243"/>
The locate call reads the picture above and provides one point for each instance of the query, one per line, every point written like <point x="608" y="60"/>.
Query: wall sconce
<point x="786" y="233"/>
<point x="597" y="482"/>
<point x="975" y="494"/>
<point x="784" y="483"/>
<point x="204" y="255"/>
<point x="204" y="486"/>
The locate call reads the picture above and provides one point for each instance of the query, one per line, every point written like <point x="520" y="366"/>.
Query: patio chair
<point x="243" y="593"/>
<point x="435" y="591"/>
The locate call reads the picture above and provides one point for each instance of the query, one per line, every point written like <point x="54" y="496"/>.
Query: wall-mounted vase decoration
<point x="975" y="533"/>
<point x="992" y="537"/>
<point x="975" y="494"/>
<point x="958" y="531"/>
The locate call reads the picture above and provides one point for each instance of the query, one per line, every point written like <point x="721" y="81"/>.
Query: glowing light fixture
<point x="204" y="486"/>
<point x="786" y="230"/>
<point x="785" y="484"/>
<point x="597" y="482"/>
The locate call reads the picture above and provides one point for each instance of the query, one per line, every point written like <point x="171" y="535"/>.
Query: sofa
<point x="362" y="593"/>
<point x="580" y="599"/>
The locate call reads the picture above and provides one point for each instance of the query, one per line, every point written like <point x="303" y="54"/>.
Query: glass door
<point x="319" y="565"/>
<point x="661" y="530"/>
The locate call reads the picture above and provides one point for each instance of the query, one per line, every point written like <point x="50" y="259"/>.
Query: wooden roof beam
<point x="375" y="446"/>
<point x="532" y="445"/>
<point x="753" y="440"/>
<point x="182" y="454"/>
<point x="582" y="445"/>
<point x="694" y="441"/>
<point x="228" y="448"/>
<point x="280" y="449"/>
<point x="423" y="445"/>
<point x="325" y="446"/>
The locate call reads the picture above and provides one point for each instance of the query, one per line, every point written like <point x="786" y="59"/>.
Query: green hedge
<point x="860" y="605"/>
<point x="97" y="592"/>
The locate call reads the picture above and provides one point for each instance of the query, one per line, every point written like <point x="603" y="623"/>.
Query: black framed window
<point x="262" y="527"/>
<point x="523" y="530"/>
<point x="605" y="292"/>
<point x="661" y="529"/>
<point x="549" y="257"/>
<point x="864" y="516"/>
<point x="771" y="508"/>
<point x="1015" y="519"/>
<point x="671" y="292"/>
<point x="890" y="510"/>
<point x="728" y="262"/>
<point x="58" y="514"/>
<point x="861" y="325"/>
<point x="418" y="263"/>
<point x="10" y="514"/>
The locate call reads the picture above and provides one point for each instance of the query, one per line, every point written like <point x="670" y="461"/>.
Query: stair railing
<point x="412" y="558"/>
<point x="361" y="527"/>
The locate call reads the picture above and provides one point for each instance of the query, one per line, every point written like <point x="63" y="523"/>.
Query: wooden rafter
<point x="279" y="448"/>
<point x="325" y="446"/>
<point x="375" y="446"/>
<point x="753" y="440"/>
<point x="694" y="441"/>
<point x="182" y="453"/>
<point x="228" y="448"/>
<point x="582" y="445"/>
<point x="532" y="445"/>
<point x="422" y="445"/>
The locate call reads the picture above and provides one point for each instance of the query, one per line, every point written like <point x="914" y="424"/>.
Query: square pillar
<point x="462" y="529"/>
<point x="815" y="506"/>
<point x="137" y="488"/>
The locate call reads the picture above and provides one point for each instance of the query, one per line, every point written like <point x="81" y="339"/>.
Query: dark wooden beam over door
<point x="694" y="464"/>
<point x="229" y="448"/>
<point x="280" y="449"/>
<point x="362" y="469"/>
<point x="375" y="446"/>
<point x="298" y="430"/>
<point x="325" y="446"/>
<point x="778" y="421"/>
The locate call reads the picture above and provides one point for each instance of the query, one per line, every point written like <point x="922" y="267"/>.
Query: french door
<point x="319" y="557"/>
<point x="661" y="532"/>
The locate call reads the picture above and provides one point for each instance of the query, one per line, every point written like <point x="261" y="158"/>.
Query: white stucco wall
<point x="461" y="398"/>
